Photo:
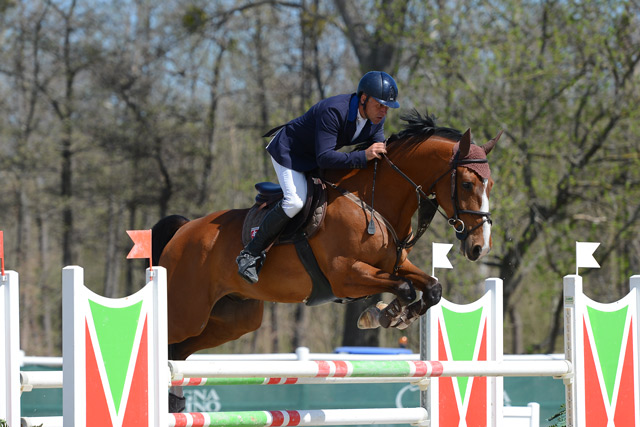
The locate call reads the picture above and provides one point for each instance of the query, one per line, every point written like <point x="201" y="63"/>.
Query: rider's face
<point x="373" y="110"/>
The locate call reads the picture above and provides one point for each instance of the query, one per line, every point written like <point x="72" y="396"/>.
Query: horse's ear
<point x="465" y="144"/>
<point x="492" y="143"/>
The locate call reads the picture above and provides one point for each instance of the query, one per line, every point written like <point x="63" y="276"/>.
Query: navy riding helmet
<point x="381" y="87"/>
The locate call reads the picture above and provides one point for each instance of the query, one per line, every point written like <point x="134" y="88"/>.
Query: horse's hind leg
<point x="386" y="315"/>
<point x="392" y="315"/>
<point x="230" y="318"/>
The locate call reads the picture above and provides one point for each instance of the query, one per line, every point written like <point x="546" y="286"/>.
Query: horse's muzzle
<point x="473" y="251"/>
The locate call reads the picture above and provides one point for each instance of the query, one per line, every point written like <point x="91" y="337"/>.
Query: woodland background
<point x="115" y="113"/>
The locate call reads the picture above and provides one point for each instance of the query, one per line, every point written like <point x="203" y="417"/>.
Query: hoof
<point x="370" y="318"/>
<point x="433" y="295"/>
<point x="404" y="323"/>
<point x="391" y="315"/>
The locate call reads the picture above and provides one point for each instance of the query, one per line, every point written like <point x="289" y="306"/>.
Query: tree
<point x="151" y="108"/>
<point x="563" y="129"/>
<point x="376" y="39"/>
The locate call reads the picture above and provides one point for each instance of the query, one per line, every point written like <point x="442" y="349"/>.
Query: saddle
<point x="302" y="227"/>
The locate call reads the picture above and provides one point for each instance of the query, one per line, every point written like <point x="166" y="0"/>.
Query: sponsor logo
<point x="254" y="230"/>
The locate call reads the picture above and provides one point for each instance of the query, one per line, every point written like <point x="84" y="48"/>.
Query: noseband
<point x="458" y="225"/>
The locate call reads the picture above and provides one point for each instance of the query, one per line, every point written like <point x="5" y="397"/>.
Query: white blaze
<point x="486" y="227"/>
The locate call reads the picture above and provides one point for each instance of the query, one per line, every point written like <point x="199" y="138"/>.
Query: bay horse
<point x="210" y="304"/>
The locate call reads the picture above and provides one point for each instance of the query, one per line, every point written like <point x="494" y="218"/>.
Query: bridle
<point x="427" y="207"/>
<point x="458" y="225"/>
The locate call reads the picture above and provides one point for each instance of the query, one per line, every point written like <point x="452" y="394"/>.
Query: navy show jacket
<point x="311" y="140"/>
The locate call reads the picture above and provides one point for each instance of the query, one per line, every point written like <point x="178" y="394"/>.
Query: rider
<point x="311" y="141"/>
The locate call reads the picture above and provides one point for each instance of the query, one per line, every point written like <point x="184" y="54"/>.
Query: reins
<point x="458" y="225"/>
<point x="427" y="207"/>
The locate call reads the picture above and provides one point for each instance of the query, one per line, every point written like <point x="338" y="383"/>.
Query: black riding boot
<point x="253" y="255"/>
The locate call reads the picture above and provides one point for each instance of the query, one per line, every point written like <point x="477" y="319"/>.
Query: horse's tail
<point x="162" y="232"/>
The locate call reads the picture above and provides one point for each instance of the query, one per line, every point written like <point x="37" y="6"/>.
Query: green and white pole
<point x="317" y="417"/>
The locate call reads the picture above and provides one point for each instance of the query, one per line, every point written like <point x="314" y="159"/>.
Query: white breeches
<point x="294" y="187"/>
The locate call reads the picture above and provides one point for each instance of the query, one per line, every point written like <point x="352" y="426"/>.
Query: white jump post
<point x="469" y="332"/>
<point x="115" y="369"/>
<point x="10" y="352"/>
<point x="601" y="341"/>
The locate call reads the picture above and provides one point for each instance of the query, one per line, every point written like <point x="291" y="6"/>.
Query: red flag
<point x="2" y="251"/>
<point x="142" y="244"/>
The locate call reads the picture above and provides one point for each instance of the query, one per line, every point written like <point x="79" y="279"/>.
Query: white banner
<point x="584" y="255"/>
<point x="440" y="260"/>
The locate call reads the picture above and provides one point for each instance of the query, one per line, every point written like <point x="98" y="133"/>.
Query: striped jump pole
<point x="370" y="369"/>
<point x="30" y="380"/>
<point x="115" y="354"/>
<point x="320" y="417"/>
<point x="10" y="351"/>
<point x="196" y="382"/>
<point x="300" y="369"/>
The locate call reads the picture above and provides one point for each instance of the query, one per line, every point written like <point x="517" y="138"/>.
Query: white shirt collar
<point x="360" y="118"/>
<point x="360" y="122"/>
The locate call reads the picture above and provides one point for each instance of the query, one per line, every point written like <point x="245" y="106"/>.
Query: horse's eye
<point x="467" y="185"/>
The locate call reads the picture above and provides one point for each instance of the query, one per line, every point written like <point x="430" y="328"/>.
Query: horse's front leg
<point x="431" y="294"/>
<point x="362" y="280"/>
<point x="357" y="279"/>
<point x="430" y="287"/>
<point x="398" y="315"/>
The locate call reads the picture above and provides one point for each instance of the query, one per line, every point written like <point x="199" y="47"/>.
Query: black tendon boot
<point x="252" y="256"/>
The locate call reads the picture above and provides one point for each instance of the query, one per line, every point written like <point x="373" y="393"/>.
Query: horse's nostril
<point x="477" y="250"/>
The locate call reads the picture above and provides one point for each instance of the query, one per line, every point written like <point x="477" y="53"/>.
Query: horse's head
<point x="465" y="195"/>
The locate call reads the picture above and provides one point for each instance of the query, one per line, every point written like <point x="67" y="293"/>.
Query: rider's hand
<point x="375" y="150"/>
